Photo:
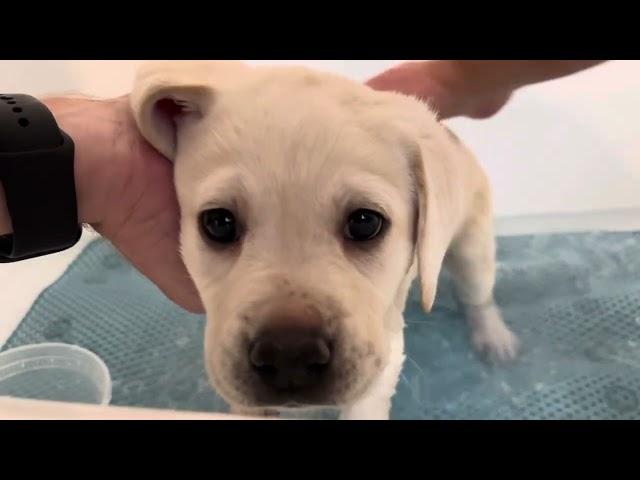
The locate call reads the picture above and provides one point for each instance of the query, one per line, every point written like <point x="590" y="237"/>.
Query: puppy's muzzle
<point x="292" y="356"/>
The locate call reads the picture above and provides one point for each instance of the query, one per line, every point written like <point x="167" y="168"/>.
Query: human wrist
<point x="92" y="125"/>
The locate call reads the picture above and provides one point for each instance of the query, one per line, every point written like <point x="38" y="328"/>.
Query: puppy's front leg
<point x="376" y="404"/>
<point x="471" y="262"/>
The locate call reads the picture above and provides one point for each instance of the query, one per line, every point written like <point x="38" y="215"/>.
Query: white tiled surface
<point x="621" y="220"/>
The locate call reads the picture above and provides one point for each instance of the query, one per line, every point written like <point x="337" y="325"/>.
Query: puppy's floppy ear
<point x="165" y="94"/>
<point x="434" y="228"/>
<point x="434" y="170"/>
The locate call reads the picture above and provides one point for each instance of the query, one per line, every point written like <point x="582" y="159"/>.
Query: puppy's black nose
<point x="290" y="359"/>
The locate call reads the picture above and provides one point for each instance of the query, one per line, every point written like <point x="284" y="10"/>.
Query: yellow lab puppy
<point x="309" y="204"/>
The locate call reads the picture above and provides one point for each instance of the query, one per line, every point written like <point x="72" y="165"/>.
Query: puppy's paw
<point x="497" y="343"/>
<point x="490" y="336"/>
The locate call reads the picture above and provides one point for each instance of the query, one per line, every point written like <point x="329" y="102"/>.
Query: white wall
<point x="567" y="146"/>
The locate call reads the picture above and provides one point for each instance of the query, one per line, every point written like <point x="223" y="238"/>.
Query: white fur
<point x="376" y="403"/>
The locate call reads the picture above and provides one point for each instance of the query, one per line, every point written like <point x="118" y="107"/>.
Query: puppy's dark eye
<point x="363" y="225"/>
<point x="219" y="225"/>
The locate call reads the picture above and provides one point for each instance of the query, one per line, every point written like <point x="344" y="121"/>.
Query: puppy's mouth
<point x="287" y="393"/>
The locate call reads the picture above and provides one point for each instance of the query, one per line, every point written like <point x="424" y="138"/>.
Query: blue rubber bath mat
<point x="573" y="300"/>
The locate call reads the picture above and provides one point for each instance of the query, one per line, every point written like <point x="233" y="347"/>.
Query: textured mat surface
<point x="574" y="301"/>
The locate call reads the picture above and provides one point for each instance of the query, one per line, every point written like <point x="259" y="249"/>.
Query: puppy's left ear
<point x="436" y="176"/>
<point x="434" y="231"/>
<point x="167" y="94"/>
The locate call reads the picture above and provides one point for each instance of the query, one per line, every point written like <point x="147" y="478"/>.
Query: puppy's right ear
<point x="165" y="94"/>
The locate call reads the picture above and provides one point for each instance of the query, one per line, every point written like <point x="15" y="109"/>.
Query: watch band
<point x="37" y="173"/>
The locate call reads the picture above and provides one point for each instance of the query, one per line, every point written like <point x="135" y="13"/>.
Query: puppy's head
<point x="303" y="196"/>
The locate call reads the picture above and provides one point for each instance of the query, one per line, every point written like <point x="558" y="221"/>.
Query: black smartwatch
<point x="37" y="173"/>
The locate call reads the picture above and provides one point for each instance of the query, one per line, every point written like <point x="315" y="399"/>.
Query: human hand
<point x="443" y="85"/>
<point x="125" y="191"/>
